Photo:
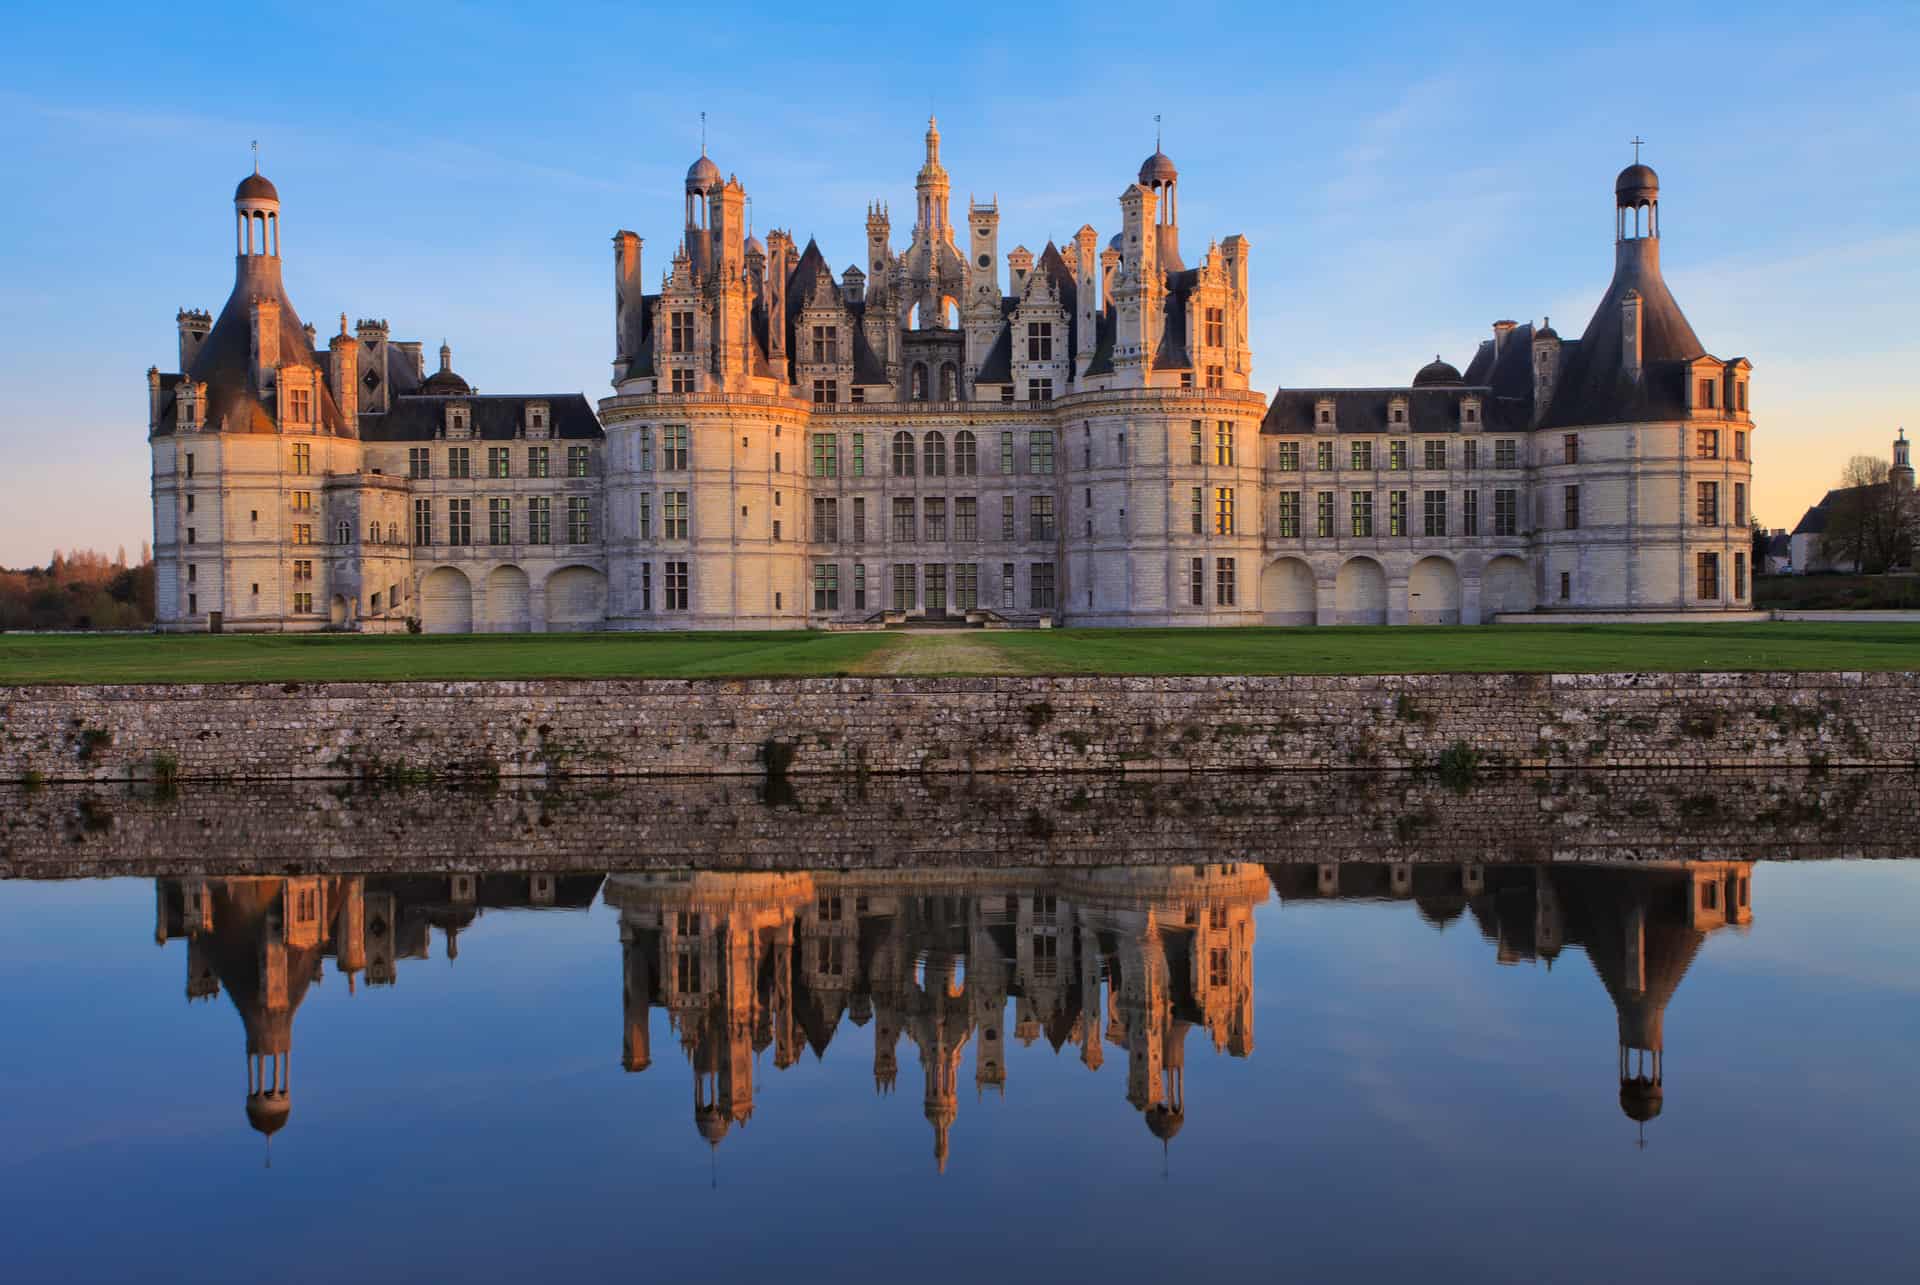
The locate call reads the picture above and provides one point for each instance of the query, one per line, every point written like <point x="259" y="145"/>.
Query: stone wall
<point x="923" y="822"/>
<point x="867" y="726"/>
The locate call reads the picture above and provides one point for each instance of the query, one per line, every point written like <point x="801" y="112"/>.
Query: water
<point x="1369" y="1069"/>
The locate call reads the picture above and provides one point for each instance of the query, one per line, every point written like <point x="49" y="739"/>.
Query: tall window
<point x="1434" y="512"/>
<point x="1215" y="334"/>
<point x="1506" y="453"/>
<point x="499" y="521"/>
<point x="1570" y="505"/>
<point x="1039" y="390"/>
<point x="1470" y="455"/>
<point x="903" y="454"/>
<point x="1739" y="503"/>
<point x="1740" y="439"/>
<point x="1397" y="456"/>
<point x="859" y="454"/>
<point x="1323" y="456"/>
<point x="540" y="519"/>
<point x="1040" y="517"/>
<point x="302" y="458"/>
<point x="675" y="597"/>
<point x="1223" y="510"/>
<point x="673" y="515"/>
<point x="1199" y="510"/>
<point x="1196" y="443"/>
<point x="826" y="586"/>
<point x="673" y="447"/>
<point x="1039" y="341"/>
<point x="1506" y="513"/>
<point x="904" y="526"/>
<point x="826" y="392"/>
<point x="826" y="455"/>
<point x="459" y="521"/>
<point x="935" y="512"/>
<point x="300" y="403"/>
<point x="859" y="586"/>
<point x="1707" y="576"/>
<point x="579" y="524"/>
<point x="646" y="447"/>
<point x="680" y="331"/>
<point x="1323" y="514"/>
<point x="1470" y="513"/>
<point x="1006" y="451"/>
<point x="826" y="519"/>
<point x="859" y="519"/>
<point x="1739" y="572"/>
<point x="681" y="379"/>
<point x="1434" y="453"/>
<point x="966" y="585"/>
<point x="537" y="457"/>
<point x="906" y="589"/>
<point x="1707" y="503"/>
<point x="423" y="522"/>
<point x="1040" y="451"/>
<point x="1706" y="399"/>
<point x="1289" y="515"/>
<point x="497" y="465"/>
<point x="1006" y="518"/>
<point x="933" y="452"/>
<point x="579" y="461"/>
<point x="1223" y="582"/>
<point x="418" y="458"/>
<point x="936" y="599"/>
<point x="1216" y="377"/>
<point x="1396" y="512"/>
<point x="1197" y="582"/>
<point x="966" y="518"/>
<point x="1223" y="443"/>
<point x="459" y="461"/>
<point x="1362" y="504"/>
<point x="1362" y="455"/>
<point x="1289" y="457"/>
<point x="966" y="454"/>
<point x="1706" y="443"/>
<point x="1040" y="586"/>
<point x="826" y="345"/>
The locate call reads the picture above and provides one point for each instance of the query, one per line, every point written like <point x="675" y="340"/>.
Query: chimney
<point x="1546" y="368"/>
<point x="628" y="291"/>
<point x="194" y="325"/>
<point x="1501" y="331"/>
<point x="1020" y="265"/>
<point x="344" y="374"/>
<point x="265" y="317"/>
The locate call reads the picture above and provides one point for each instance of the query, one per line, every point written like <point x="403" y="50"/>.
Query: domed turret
<point x="1636" y="185"/>
<point x="256" y="187"/>
<point x="267" y="1112"/>
<point x="712" y="1123"/>
<point x="1165" y="1122"/>
<point x="444" y="383"/>
<point x="1641" y="1098"/>
<point x="1158" y="170"/>
<point x="1437" y="373"/>
<point x="703" y="176"/>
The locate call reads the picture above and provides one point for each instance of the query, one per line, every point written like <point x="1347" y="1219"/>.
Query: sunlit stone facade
<point x="935" y="434"/>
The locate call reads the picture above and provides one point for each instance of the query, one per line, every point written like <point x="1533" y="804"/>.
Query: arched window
<point x="949" y="383"/>
<point x="919" y="390"/>
<point x="393" y="533"/>
<point x="344" y="532"/>
<point x="966" y="458"/>
<point x="903" y="454"/>
<point x="934" y="450"/>
<point x="373" y="533"/>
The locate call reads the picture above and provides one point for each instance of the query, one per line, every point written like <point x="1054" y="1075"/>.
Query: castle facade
<point x="1068" y="438"/>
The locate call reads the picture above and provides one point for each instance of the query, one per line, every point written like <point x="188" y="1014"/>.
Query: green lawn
<point x="1566" y="648"/>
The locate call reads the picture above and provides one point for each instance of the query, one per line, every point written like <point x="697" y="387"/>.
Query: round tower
<point x="1901" y="474"/>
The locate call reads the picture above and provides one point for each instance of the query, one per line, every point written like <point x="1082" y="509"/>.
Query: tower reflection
<point x="1127" y="959"/>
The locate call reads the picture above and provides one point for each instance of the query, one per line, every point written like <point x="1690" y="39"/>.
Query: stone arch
<point x="509" y="608"/>
<point x="917" y="382"/>
<point x="1506" y="585"/>
<point x="446" y="602"/>
<point x="949" y="318"/>
<point x="576" y="600"/>
<point x="1287" y="593"/>
<point x="1433" y="592"/>
<point x="1360" y="593"/>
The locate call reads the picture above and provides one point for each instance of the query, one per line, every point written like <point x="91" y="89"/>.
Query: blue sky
<point x="1406" y="176"/>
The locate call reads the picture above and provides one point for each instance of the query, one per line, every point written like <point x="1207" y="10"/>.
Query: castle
<point x="1068" y="438"/>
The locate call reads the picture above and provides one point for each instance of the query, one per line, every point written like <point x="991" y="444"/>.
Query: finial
<point x="256" y="156"/>
<point x="343" y="323"/>
<point x="1638" y="142"/>
<point x="749" y="216"/>
<point x="1156" y="131"/>
<point x="703" y="133"/>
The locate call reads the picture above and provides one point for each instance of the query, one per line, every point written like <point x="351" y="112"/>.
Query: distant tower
<point x="1902" y="473"/>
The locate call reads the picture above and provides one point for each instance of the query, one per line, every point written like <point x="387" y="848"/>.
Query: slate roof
<point x="1593" y="387"/>
<point x="1367" y="410"/>
<point x="1814" y="520"/>
<point x="419" y="418"/>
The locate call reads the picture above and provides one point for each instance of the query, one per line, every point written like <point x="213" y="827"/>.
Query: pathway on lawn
<point x="952" y="652"/>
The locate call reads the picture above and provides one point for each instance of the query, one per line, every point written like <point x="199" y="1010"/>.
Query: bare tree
<point x="1871" y="522"/>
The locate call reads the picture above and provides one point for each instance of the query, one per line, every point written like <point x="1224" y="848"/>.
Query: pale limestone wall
<point x="887" y="725"/>
<point x="1001" y="822"/>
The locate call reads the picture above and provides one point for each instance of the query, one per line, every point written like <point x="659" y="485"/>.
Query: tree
<point x="1759" y="541"/>
<point x="1870" y="521"/>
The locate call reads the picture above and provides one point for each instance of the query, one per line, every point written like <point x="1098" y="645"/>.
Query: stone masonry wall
<point x="864" y="726"/>
<point x="912" y="822"/>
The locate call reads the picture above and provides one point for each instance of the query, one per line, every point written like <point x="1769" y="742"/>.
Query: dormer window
<point x="457" y="421"/>
<point x="1323" y="413"/>
<point x="1470" y="412"/>
<point x="537" y="423"/>
<point x="1706" y="397"/>
<point x="1216" y="328"/>
<point x="1740" y="393"/>
<point x="826" y="345"/>
<point x="680" y="332"/>
<point x="300" y="405"/>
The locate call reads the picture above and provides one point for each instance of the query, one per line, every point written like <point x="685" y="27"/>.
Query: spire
<point x="703" y="134"/>
<point x="933" y="140"/>
<point x="256" y="156"/>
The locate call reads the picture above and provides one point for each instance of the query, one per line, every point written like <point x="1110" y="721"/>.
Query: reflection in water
<point x="1128" y="958"/>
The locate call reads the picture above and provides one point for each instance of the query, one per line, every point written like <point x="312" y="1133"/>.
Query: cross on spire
<point x="1638" y="142"/>
<point x="256" y="156"/>
<point x="1156" y="131"/>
